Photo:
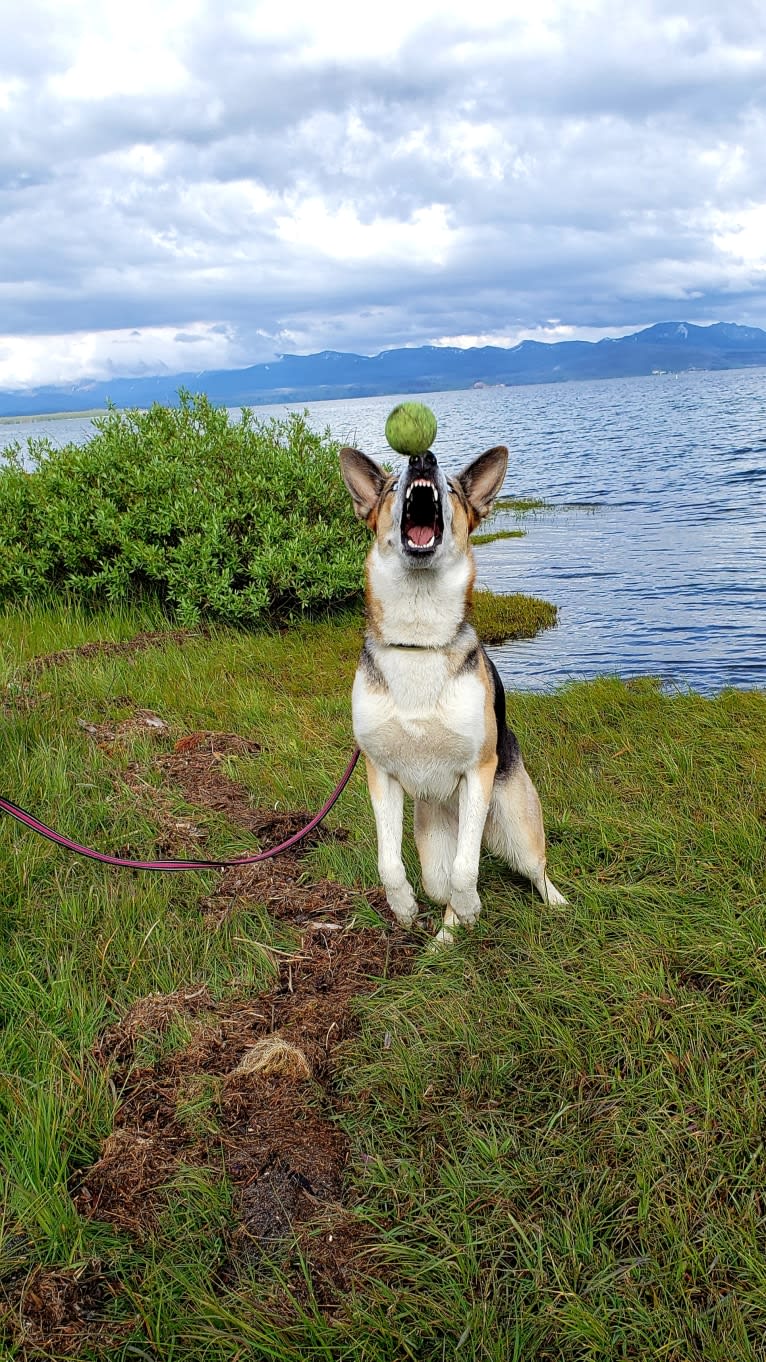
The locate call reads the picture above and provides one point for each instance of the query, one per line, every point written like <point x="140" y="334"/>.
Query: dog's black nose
<point x="422" y="464"/>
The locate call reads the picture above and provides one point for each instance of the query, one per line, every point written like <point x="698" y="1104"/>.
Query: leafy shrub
<point x="219" y="519"/>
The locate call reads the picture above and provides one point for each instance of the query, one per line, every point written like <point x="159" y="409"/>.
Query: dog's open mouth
<point x="422" y="520"/>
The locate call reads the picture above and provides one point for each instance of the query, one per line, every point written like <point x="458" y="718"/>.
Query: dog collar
<point x="422" y="647"/>
<point x="430" y="647"/>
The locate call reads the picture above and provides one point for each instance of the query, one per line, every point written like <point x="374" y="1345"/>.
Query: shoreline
<point x="27" y="418"/>
<point x="311" y="395"/>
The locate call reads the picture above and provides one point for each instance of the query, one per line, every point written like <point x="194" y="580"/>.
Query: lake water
<point x="655" y="547"/>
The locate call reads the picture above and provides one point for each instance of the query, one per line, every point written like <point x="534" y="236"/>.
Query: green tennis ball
<point x="411" y="428"/>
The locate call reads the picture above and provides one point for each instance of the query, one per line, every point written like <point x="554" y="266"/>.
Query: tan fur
<point x="373" y="611"/>
<point x="373" y="779"/>
<point x="461" y="527"/>
<point x="514" y="830"/>
<point x="489" y="749"/>
<point x="487" y="769"/>
<point x="384" y="512"/>
<point x="470" y="585"/>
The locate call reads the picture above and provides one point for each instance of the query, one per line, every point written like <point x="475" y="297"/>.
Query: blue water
<point x="655" y="546"/>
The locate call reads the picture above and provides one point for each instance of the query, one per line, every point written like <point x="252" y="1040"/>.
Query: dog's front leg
<point x="387" y="798"/>
<point x="474" y="795"/>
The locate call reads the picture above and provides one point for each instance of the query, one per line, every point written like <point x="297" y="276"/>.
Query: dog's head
<point x="422" y="514"/>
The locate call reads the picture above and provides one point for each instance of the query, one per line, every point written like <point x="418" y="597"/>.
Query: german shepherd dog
<point x="428" y="704"/>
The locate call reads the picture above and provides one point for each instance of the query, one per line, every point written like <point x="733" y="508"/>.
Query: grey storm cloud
<point x="594" y="164"/>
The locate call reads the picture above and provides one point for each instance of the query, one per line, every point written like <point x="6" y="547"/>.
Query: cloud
<point x="68" y="358"/>
<point x="262" y="177"/>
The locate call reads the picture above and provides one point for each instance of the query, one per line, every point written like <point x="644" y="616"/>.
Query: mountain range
<point x="668" y="347"/>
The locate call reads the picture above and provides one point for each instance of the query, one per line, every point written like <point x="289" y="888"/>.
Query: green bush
<point x="223" y="520"/>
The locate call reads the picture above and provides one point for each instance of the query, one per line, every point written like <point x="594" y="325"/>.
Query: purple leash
<point x="30" y="821"/>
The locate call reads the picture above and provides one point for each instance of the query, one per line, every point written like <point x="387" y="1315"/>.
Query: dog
<point x="428" y="704"/>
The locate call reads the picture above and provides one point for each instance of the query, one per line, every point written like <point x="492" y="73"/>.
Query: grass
<point x="498" y="618"/>
<point x="498" y="534"/>
<point x="557" y="1126"/>
<point x="521" y="505"/>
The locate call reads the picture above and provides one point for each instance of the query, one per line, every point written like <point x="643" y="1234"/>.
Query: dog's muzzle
<point x="422" y="527"/>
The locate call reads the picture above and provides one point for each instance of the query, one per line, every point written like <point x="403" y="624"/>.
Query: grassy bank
<point x="545" y="1143"/>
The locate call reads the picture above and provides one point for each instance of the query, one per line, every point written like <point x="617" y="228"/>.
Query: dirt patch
<point x="279" y="886"/>
<point x="337" y="1246"/>
<point x="108" y="648"/>
<point x="313" y="1002"/>
<point x="20" y="695"/>
<point x="128" y="1185"/>
<point x="152" y="1014"/>
<point x="141" y="721"/>
<point x="60" y="1311"/>
<point x="194" y="767"/>
<point x="248" y="1096"/>
<point x="712" y="985"/>
<point x="265" y="1121"/>
<point x="310" y="1006"/>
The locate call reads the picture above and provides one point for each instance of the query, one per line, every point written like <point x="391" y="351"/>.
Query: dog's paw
<point x="444" y="937"/>
<point x="466" y="905"/>
<point x="406" y="919"/>
<point x="555" y="899"/>
<point x="550" y="894"/>
<point x="403" y="905"/>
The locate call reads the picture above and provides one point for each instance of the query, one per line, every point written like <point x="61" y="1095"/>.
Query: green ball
<point x="411" y="428"/>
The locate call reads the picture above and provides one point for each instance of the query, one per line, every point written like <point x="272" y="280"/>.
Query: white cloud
<point x="80" y="356"/>
<point x="550" y="333"/>
<point x="340" y="234"/>
<point x="317" y="177"/>
<point x="123" y="49"/>
<point x="742" y="237"/>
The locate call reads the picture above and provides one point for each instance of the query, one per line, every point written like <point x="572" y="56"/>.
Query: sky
<point x="189" y="185"/>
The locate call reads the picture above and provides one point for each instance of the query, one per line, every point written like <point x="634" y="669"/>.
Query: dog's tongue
<point x="420" y="535"/>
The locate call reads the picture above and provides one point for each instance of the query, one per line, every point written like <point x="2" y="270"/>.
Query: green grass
<point x="498" y="618"/>
<point x="498" y="534"/>
<point x="557" y="1126"/>
<point x="521" y="505"/>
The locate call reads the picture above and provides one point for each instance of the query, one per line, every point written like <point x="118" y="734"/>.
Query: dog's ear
<point x="481" y="480"/>
<point x="364" y="480"/>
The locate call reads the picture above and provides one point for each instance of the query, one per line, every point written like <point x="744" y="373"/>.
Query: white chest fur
<point x="418" y="606"/>
<point x="424" y="725"/>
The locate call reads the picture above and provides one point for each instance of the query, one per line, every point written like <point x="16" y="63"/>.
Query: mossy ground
<point x="491" y="538"/>
<point x="556" y="1128"/>
<point x="521" y="505"/>
<point x="498" y="618"/>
